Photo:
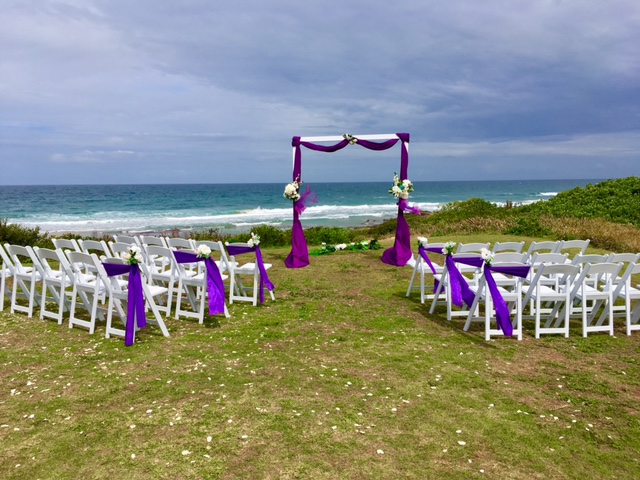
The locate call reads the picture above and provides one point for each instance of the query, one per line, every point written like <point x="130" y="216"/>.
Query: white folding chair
<point x="24" y="278"/>
<point x="162" y="271"/>
<point x="444" y="285"/>
<point x="422" y="268"/>
<point x="511" y="294"/>
<point x="623" y="289"/>
<point x="585" y="290"/>
<point x="194" y="288"/>
<point x="6" y="271"/>
<point x="551" y="284"/>
<point x="57" y="279"/>
<point x="118" y="294"/>
<point x="88" y="290"/>
<point x="237" y="289"/>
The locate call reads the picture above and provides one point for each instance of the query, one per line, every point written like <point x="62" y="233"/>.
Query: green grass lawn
<point x="342" y="376"/>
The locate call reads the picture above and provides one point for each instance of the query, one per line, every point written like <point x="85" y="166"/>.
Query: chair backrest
<point x="160" y="260"/>
<point x="20" y="254"/>
<point x="112" y="283"/>
<point x="563" y="275"/>
<point x="592" y="271"/>
<point x="151" y="240"/>
<point x="66" y="244"/>
<point x="120" y="248"/>
<point x="515" y="247"/>
<point x="510" y="257"/>
<point x="546" y="246"/>
<point x="624" y="282"/>
<point x="8" y="268"/>
<point x="98" y="246"/>
<point x="225" y="262"/>
<point x="46" y="257"/>
<point x="127" y="239"/>
<point x="472" y="247"/>
<point x="81" y="264"/>
<point x="580" y="245"/>
<point x="624" y="257"/>
<point x="546" y="258"/>
<point x="582" y="260"/>
<point x="181" y="243"/>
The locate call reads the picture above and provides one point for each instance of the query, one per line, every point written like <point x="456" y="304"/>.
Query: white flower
<point x="448" y="248"/>
<point x="291" y="190"/>
<point x="341" y="246"/>
<point x="423" y="242"/>
<point x="133" y="255"/>
<point x="487" y="256"/>
<point x="254" y="241"/>
<point x="401" y="188"/>
<point x="203" y="251"/>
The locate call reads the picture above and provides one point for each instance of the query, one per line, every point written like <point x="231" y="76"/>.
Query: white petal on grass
<point x="186" y="452"/>
<point x="380" y="451"/>
<point x="209" y="438"/>
<point x="462" y="443"/>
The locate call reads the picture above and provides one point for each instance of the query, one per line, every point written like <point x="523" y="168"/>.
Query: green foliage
<point x="15" y="234"/>
<point x="326" y="249"/>
<point x="458" y="211"/>
<point x="528" y="226"/>
<point x="330" y="235"/>
<point x="616" y="200"/>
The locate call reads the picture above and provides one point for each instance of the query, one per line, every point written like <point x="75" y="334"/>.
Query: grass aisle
<point x="341" y="377"/>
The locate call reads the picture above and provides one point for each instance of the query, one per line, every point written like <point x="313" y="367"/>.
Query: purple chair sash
<point x="215" y="285"/>
<point x="400" y="253"/>
<point x="135" y="298"/>
<point x="503" y="317"/>
<point x="264" y="278"/>
<point x="422" y="251"/>
<point x="460" y="290"/>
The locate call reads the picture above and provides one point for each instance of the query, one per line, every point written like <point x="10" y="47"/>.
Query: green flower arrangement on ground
<point x="326" y="249"/>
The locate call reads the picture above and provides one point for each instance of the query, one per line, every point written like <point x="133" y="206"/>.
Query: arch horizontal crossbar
<point x="400" y="253"/>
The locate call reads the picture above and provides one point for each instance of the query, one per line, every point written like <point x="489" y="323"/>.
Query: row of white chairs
<point x="595" y="288"/>
<point x="69" y="277"/>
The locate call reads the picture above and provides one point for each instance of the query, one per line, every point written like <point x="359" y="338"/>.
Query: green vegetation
<point x="341" y="377"/>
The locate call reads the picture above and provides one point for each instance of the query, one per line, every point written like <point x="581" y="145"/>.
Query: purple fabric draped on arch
<point x="397" y="255"/>
<point x="215" y="285"/>
<point x="135" y="298"/>
<point x="503" y="318"/>
<point x="264" y="278"/>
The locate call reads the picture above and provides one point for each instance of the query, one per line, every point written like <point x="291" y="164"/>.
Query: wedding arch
<point x="397" y="255"/>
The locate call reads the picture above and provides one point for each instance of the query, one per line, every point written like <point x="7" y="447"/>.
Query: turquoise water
<point x="139" y="208"/>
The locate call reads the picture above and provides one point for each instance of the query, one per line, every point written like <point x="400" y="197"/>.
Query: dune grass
<point x="342" y="376"/>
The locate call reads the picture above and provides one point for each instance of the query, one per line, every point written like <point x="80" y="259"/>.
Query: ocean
<point x="87" y="209"/>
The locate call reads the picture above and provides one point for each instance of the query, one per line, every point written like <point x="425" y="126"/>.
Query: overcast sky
<point x="211" y="91"/>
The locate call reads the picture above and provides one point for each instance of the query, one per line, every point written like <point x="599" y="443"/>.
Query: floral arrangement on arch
<point x="292" y="190"/>
<point x="401" y="188"/>
<point x="133" y="256"/>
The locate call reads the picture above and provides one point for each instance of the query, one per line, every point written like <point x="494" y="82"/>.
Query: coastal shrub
<point x="272" y="236"/>
<point x="330" y="235"/>
<point x="16" y="234"/>
<point x="528" y="226"/>
<point x="616" y="200"/>
<point x="601" y="233"/>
